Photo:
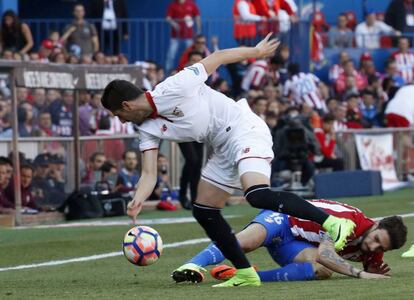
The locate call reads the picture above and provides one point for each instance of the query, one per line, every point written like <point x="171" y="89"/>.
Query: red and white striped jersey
<point x="303" y="88"/>
<point x="339" y="126"/>
<point x="310" y="231"/>
<point x="258" y="75"/>
<point x="405" y="65"/>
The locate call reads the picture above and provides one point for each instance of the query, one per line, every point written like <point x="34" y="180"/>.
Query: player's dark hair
<point x="293" y="69"/>
<point x="95" y="155"/>
<point x="367" y="92"/>
<point x="329" y="118"/>
<point x="192" y="53"/>
<point x="27" y="167"/>
<point x="118" y="91"/>
<point x="396" y="229"/>
<point x="129" y="151"/>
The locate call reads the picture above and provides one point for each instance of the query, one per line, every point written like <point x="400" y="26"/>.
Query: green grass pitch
<point x="116" y="278"/>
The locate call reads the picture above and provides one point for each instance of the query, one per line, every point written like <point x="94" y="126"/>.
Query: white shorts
<point x="248" y="150"/>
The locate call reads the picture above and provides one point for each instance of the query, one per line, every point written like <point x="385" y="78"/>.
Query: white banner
<point x="375" y="152"/>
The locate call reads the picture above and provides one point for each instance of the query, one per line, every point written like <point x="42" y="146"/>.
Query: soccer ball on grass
<point x="142" y="245"/>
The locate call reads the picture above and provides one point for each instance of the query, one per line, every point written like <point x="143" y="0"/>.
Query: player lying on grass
<point x="183" y="108"/>
<point x="291" y="242"/>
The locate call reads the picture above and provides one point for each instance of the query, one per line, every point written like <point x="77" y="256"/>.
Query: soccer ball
<point x="142" y="245"/>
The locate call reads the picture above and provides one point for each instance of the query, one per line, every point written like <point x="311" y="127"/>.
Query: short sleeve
<point x="147" y="141"/>
<point x="93" y="30"/>
<point x="196" y="11"/>
<point x="170" y="11"/>
<point x="186" y="81"/>
<point x="286" y="88"/>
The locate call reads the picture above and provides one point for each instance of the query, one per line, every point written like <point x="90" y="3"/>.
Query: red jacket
<point x="326" y="143"/>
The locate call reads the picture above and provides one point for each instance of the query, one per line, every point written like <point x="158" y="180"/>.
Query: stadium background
<point x="113" y="277"/>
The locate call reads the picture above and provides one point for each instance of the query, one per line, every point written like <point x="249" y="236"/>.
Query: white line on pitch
<point x="118" y="253"/>
<point x="97" y="257"/>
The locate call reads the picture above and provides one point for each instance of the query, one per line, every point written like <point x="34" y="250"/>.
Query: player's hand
<point x="366" y="275"/>
<point x="379" y="269"/>
<point x="267" y="47"/>
<point x="134" y="208"/>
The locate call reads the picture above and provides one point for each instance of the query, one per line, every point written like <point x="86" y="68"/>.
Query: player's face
<point x="376" y="241"/>
<point x="133" y="116"/>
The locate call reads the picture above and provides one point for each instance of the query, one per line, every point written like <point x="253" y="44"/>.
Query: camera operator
<point x="294" y="145"/>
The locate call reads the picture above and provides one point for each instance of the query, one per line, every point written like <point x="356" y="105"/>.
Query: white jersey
<point x="403" y="103"/>
<point x="304" y="89"/>
<point x="186" y="109"/>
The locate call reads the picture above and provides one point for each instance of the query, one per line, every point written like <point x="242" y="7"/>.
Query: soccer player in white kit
<point x="183" y="108"/>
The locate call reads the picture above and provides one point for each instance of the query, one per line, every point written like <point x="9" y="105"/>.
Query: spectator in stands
<point x="39" y="102"/>
<point x="45" y="126"/>
<point x="88" y="118"/>
<point x="353" y="113"/>
<point x="163" y="178"/>
<point x="404" y="59"/>
<point x="369" y="109"/>
<point x="341" y="36"/>
<point x="391" y="72"/>
<point x="350" y="81"/>
<point x="61" y="110"/>
<point x="52" y="95"/>
<point x="15" y="35"/>
<point x="26" y="121"/>
<point x="96" y="161"/>
<point x="332" y="103"/>
<point x="340" y="122"/>
<point x="99" y="58"/>
<point x="48" y="184"/>
<point x="260" y="106"/>
<point x="368" y="33"/>
<point x="337" y="69"/>
<point x="367" y="66"/>
<point x="109" y="174"/>
<point x="303" y="88"/>
<point x="26" y="178"/>
<point x="327" y="141"/>
<point x="22" y="95"/>
<point x="6" y="204"/>
<point x="199" y="46"/>
<point x="181" y="15"/>
<point x="110" y="29"/>
<point x="128" y="176"/>
<point x="150" y="70"/>
<point x="45" y="50"/>
<point x="80" y="36"/>
<point x="261" y="73"/>
<point x="400" y="15"/>
<point x="245" y="16"/>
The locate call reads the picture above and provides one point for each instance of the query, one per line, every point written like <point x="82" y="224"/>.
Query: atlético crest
<point x="178" y="112"/>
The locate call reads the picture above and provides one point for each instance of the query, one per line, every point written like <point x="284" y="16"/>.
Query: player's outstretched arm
<point x="331" y="260"/>
<point x="146" y="182"/>
<point x="263" y="49"/>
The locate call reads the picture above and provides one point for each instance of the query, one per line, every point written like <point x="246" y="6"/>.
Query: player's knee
<point x="321" y="272"/>
<point x="203" y="213"/>
<point x="258" y="195"/>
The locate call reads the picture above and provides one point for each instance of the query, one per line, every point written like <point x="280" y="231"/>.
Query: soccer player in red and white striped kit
<point x="304" y="88"/>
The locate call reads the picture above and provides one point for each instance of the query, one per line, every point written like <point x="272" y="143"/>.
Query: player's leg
<point x="249" y="239"/>
<point x="254" y="176"/>
<point x="207" y="211"/>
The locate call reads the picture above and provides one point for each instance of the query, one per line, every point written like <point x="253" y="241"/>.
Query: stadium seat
<point x="348" y="184"/>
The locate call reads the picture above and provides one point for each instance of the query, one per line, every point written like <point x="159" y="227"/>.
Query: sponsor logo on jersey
<point x="164" y="128"/>
<point x="195" y="70"/>
<point x="178" y="112"/>
<point x="246" y="150"/>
